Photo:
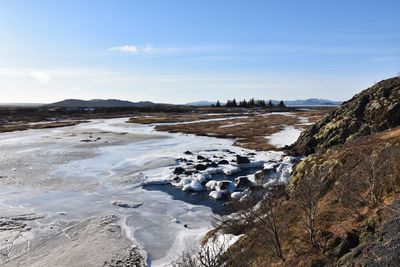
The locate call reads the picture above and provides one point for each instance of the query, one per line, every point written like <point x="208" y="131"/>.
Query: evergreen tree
<point x="282" y="104"/>
<point x="252" y="103"/>
<point x="234" y="104"/>
<point x="218" y="104"/>
<point x="270" y="104"/>
<point x="243" y="103"/>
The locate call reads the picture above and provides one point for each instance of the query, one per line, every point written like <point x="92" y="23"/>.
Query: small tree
<point x="212" y="254"/>
<point x="264" y="215"/>
<point x="308" y="193"/>
<point x="368" y="178"/>
<point x="218" y="104"/>
<point x="282" y="104"/>
<point x="270" y="105"/>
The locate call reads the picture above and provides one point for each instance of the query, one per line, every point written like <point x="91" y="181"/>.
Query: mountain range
<point x="101" y="103"/>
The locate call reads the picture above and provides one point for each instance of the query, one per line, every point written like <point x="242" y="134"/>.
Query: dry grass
<point x="334" y="216"/>
<point x="249" y="132"/>
<point x="21" y="126"/>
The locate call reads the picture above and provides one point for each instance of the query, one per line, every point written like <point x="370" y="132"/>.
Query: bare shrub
<point x="211" y="254"/>
<point x="372" y="176"/>
<point x="261" y="213"/>
<point x="307" y="195"/>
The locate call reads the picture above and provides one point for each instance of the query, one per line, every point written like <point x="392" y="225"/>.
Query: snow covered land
<point x="57" y="184"/>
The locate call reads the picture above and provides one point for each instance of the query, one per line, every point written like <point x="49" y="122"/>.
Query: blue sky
<point x="181" y="51"/>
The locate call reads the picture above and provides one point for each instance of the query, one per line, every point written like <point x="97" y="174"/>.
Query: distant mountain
<point x="201" y="103"/>
<point x="101" y="103"/>
<point x="312" y="102"/>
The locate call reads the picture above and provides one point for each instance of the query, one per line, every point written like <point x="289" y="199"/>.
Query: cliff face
<point x="373" y="110"/>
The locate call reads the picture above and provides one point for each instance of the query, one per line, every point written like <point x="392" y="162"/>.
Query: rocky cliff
<point x="373" y="110"/>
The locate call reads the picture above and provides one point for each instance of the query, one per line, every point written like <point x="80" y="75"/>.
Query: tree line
<point x="252" y="103"/>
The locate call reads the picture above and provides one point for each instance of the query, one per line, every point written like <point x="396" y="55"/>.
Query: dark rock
<point x="212" y="165"/>
<point x="188" y="153"/>
<point x="199" y="157"/>
<point x="349" y="240"/>
<point x="224" y="185"/>
<point x="381" y="249"/>
<point x="176" y="179"/>
<point x="318" y="263"/>
<point x="223" y="162"/>
<point x="179" y="170"/>
<point x="242" y="160"/>
<point x="187" y="173"/>
<point x="200" y="167"/>
<point x="243" y="182"/>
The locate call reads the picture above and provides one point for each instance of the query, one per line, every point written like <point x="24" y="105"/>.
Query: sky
<point x="183" y="51"/>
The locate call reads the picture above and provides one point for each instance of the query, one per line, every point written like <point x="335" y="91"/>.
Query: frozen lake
<point x="68" y="175"/>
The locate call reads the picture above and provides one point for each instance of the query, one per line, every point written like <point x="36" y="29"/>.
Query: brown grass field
<point x="248" y="129"/>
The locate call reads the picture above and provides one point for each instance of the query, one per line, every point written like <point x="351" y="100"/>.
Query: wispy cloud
<point x="148" y="48"/>
<point x="131" y="49"/>
<point x="40" y="76"/>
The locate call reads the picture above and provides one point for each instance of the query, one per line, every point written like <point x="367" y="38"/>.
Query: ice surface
<point x="285" y="137"/>
<point x="51" y="172"/>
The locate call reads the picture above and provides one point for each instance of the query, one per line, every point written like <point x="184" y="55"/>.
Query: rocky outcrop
<point x="381" y="249"/>
<point x="373" y="110"/>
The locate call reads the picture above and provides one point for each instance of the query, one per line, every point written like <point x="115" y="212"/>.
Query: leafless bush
<point x="260" y="213"/>
<point x="211" y="254"/>
<point x="307" y="195"/>
<point x="370" y="178"/>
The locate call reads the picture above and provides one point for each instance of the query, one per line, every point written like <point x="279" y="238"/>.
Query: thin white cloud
<point x="40" y="76"/>
<point x="148" y="48"/>
<point x="131" y="49"/>
<point x="134" y="49"/>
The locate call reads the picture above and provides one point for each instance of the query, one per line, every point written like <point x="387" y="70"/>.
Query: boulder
<point x="225" y="185"/>
<point x="212" y="165"/>
<point x="187" y="173"/>
<point x="349" y="240"/>
<point x="242" y="160"/>
<point x="242" y="182"/>
<point x="179" y="170"/>
<point x="223" y="162"/>
<point x="200" y="167"/>
<point x="193" y="186"/>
